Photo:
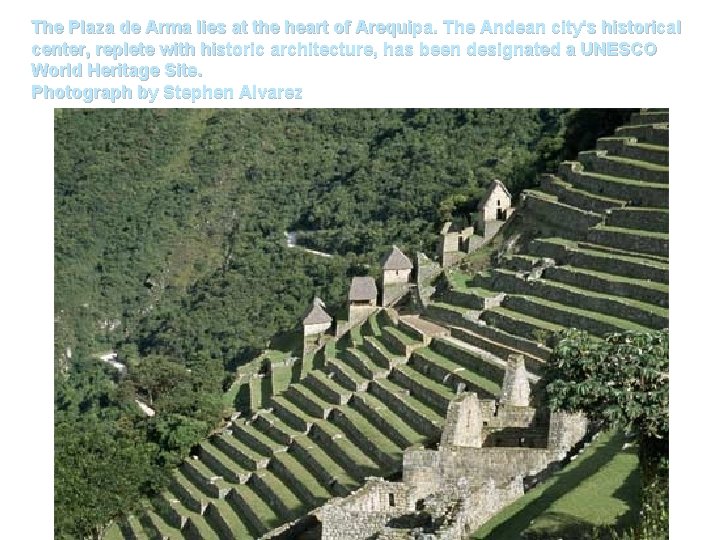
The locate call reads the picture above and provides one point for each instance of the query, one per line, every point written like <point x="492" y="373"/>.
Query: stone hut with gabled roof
<point x="316" y="320"/>
<point x="494" y="208"/>
<point x="362" y="298"/>
<point x="396" y="268"/>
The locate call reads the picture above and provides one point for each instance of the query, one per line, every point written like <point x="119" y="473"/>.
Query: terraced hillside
<point x="387" y="386"/>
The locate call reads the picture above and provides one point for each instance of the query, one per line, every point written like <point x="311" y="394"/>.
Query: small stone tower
<point x="396" y="267"/>
<point x="463" y="423"/>
<point x="316" y="320"/>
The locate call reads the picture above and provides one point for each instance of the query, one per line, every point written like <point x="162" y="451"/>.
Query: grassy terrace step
<point x="131" y="529"/>
<point x="518" y="323"/>
<point x="327" y="471"/>
<point x="568" y="316"/>
<point x="275" y="428"/>
<point x="568" y="194"/>
<point x="386" y="419"/>
<point x="432" y="393"/>
<point x="645" y="219"/>
<point x="447" y="372"/>
<point x="649" y="117"/>
<point x="239" y="452"/>
<point x="630" y="148"/>
<point x="299" y="479"/>
<point x="642" y="313"/>
<point x="372" y="326"/>
<point x="259" y="516"/>
<point x="600" y="260"/>
<point x="367" y="437"/>
<point x="205" y="478"/>
<point x="170" y="509"/>
<point x="414" y="412"/>
<point x="518" y="263"/>
<point x="159" y="528"/>
<point x="286" y="505"/>
<point x="379" y="354"/>
<point x="187" y="492"/>
<point x="598" y="161"/>
<point x="466" y="356"/>
<point x="659" y="260"/>
<point x="363" y="364"/>
<point x="346" y="375"/>
<point x="632" y="288"/>
<point x="250" y="435"/>
<point x="220" y="463"/>
<point x="223" y="519"/>
<point x="399" y="342"/>
<point x="290" y="414"/>
<point x="326" y="388"/>
<point x="652" y="243"/>
<point x="638" y="192"/>
<point x="502" y="350"/>
<point x="343" y="451"/>
<point x="560" y="214"/>
<point x="307" y="401"/>
<point x="444" y="313"/>
<point x="657" y="133"/>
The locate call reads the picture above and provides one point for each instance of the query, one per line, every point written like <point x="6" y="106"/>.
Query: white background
<point x="679" y="77"/>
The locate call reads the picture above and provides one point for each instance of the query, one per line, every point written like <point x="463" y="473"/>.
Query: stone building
<point x="316" y="320"/>
<point x="396" y="270"/>
<point x="362" y="298"/>
<point x="454" y="244"/>
<point x="480" y="466"/>
<point x="494" y="209"/>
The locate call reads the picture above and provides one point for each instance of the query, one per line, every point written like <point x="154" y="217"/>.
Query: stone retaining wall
<point x="288" y="478"/>
<point x="215" y="464"/>
<point x="217" y="522"/>
<point x="243" y="509"/>
<point x="433" y="400"/>
<point x="378" y="419"/>
<point x="307" y="405"/>
<point x="658" y="134"/>
<point x="468" y="360"/>
<point x="445" y="376"/>
<point x="630" y="242"/>
<point x="187" y="498"/>
<point x="414" y="419"/>
<point x="640" y="219"/>
<point x="553" y="185"/>
<point x="330" y="446"/>
<point x="363" y="442"/>
<point x="623" y="146"/>
<point x="317" y="469"/>
<point x="561" y="215"/>
<point x="594" y="160"/>
<point x="508" y="324"/>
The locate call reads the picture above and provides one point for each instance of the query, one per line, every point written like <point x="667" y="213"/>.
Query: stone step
<point x="520" y="324"/>
<point x="414" y="412"/>
<point x="187" y="492"/>
<point x="373" y="326"/>
<point x="644" y="219"/>
<point x="661" y="260"/>
<point x="290" y="414"/>
<point x="367" y="438"/>
<point x="343" y="451"/>
<point x="585" y="200"/>
<point x="656" y="133"/>
<point x="346" y="375"/>
<point x="239" y="452"/>
<point x="326" y="388"/>
<point x="225" y="521"/>
<point x="363" y="364"/>
<point x="276" y="429"/>
<point x="170" y="510"/>
<point x="445" y="372"/>
<point x="221" y="464"/>
<point x="634" y="191"/>
<point x="327" y="471"/>
<point x="386" y="420"/>
<point x="299" y="479"/>
<point x="630" y="240"/>
<point x="250" y="435"/>
<point x="636" y="267"/>
<point x="533" y="364"/>
<point x="159" y="529"/>
<point x="380" y="355"/>
<point x="197" y="527"/>
<point x="308" y="401"/>
<point x="568" y="316"/>
<point x="649" y="117"/>
<point x="433" y="394"/>
<point x="600" y="161"/>
<point x="478" y="362"/>
<point x="204" y="478"/>
<point x="628" y="309"/>
<point x="256" y="513"/>
<point x="638" y="289"/>
<point x="629" y="147"/>
<point x="279" y="497"/>
<point x="398" y="342"/>
<point x="447" y="314"/>
<point x="132" y="529"/>
<point x="560" y="214"/>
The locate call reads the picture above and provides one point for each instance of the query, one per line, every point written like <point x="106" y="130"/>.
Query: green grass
<point x="634" y="232"/>
<point x="662" y="287"/>
<point x="637" y="163"/>
<point x="601" y="487"/>
<point x="569" y="187"/>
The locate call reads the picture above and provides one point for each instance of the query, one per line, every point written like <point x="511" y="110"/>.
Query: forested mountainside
<point x="169" y="247"/>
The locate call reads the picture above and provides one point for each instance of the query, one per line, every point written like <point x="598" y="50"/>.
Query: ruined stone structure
<point x="449" y="492"/>
<point x="455" y="244"/>
<point x="396" y="270"/>
<point x="316" y="320"/>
